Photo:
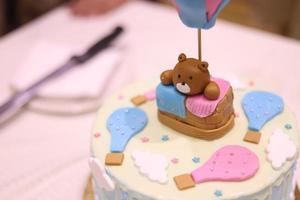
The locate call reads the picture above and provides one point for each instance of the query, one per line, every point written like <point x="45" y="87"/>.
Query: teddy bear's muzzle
<point x="183" y="88"/>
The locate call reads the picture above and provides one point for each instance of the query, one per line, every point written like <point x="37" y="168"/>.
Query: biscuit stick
<point x="199" y="45"/>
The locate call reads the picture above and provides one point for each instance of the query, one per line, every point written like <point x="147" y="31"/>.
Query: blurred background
<point x="277" y="16"/>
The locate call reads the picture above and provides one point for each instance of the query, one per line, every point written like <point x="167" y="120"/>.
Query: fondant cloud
<point x="151" y="165"/>
<point x="280" y="149"/>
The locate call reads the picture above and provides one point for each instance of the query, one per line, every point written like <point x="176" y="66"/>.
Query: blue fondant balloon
<point x="200" y="13"/>
<point x="260" y="107"/>
<point x="123" y="124"/>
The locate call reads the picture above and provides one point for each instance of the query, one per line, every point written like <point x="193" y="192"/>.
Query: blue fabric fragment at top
<point x="193" y="13"/>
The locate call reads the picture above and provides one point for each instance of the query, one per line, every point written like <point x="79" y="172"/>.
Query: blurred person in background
<point x="94" y="7"/>
<point x="278" y="16"/>
<point x="17" y="12"/>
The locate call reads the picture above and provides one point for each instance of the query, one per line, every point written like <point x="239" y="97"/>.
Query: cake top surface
<point x="174" y="153"/>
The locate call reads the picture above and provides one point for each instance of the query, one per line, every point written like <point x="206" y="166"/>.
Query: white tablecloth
<point x="45" y="157"/>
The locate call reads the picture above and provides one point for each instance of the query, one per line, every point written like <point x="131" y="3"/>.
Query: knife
<point x="17" y="101"/>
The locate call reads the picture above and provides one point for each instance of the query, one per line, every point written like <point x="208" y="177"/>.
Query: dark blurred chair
<point x="278" y="16"/>
<point x="2" y="17"/>
<point x="294" y="28"/>
<point x="14" y="13"/>
<point x="30" y="9"/>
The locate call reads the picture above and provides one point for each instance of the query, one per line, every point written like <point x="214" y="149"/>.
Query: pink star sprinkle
<point x="174" y="160"/>
<point x="251" y="83"/>
<point x="145" y="139"/>
<point x="96" y="135"/>
<point x="150" y="95"/>
<point x="237" y="114"/>
<point x="120" y="97"/>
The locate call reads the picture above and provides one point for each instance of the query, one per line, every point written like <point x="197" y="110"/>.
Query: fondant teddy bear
<point x="190" y="77"/>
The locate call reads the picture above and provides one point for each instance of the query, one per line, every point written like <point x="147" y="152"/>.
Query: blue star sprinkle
<point x="196" y="159"/>
<point x="288" y="126"/>
<point x="165" y="138"/>
<point x="218" y="193"/>
<point x="124" y="196"/>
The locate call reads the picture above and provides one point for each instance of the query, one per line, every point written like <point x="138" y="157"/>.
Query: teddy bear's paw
<point x="166" y="77"/>
<point x="212" y="91"/>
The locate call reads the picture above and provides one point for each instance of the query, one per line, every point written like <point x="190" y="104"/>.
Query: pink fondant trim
<point x="201" y="106"/>
<point x="211" y="7"/>
<point x="150" y="95"/>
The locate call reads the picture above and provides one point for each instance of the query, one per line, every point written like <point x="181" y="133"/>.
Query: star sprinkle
<point x="145" y="139"/>
<point x="165" y="138"/>
<point x="175" y="160"/>
<point x="96" y="135"/>
<point x="196" y="159"/>
<point x="124" y="196"/>
<point x="150" y="95"/>
<point x="218" y="193"/>
<point x="251" y="83"/>
<point x="288" y="126"/>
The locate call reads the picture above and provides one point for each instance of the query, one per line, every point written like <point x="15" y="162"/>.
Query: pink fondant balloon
<point x="230" y="163"/>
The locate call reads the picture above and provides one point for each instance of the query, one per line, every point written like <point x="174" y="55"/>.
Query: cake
<point x="192" y="136"/>
<point x="147" y="166"/>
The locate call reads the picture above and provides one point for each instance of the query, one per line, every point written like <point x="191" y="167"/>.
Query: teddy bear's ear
<point x="181" y="57"/>
<point x="203" y="66"/>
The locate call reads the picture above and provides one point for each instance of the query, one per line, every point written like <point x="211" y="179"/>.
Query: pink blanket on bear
<point x="202" y="107"/>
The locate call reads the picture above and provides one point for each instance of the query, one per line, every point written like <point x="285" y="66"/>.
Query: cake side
<point x="280" y="190"/>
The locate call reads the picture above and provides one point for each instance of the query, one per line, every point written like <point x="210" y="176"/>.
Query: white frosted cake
<point x="151" y="159"/>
